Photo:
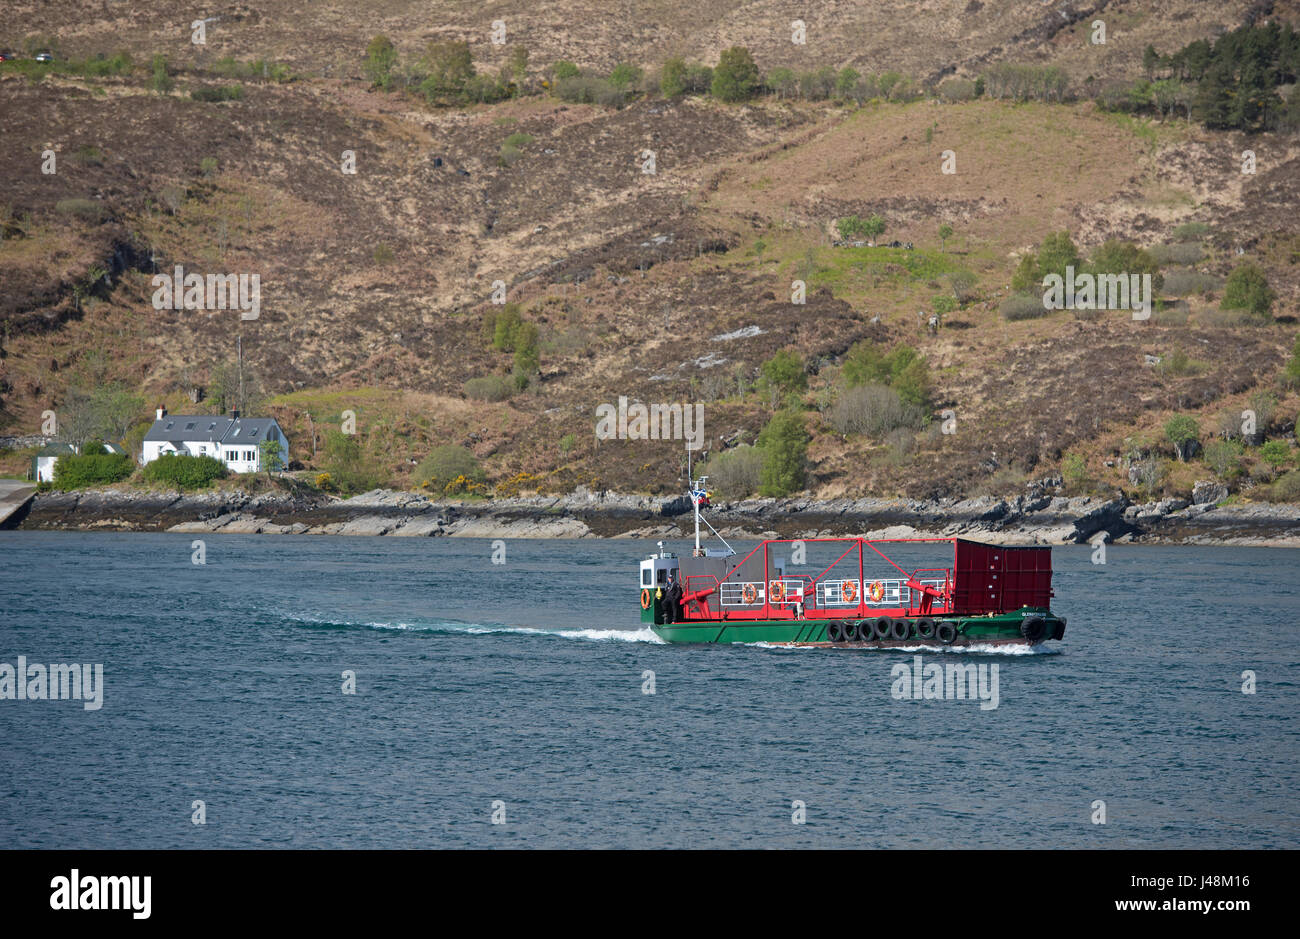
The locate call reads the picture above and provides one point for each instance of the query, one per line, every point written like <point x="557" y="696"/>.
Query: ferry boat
<point x="855" y="597"/>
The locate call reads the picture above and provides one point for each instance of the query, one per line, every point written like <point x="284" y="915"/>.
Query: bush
<point x="347" y="466"/>
<point x="1191" y="231"/>
<point x="1183" y="253"/>
<point x="1291" y="374"/>
<point x="963" y="285"/>
<point x="736" y="473"/>
<point x="381" y="56"/>
<point x="218" y="93"/>
<point x="90" y="469"/>
<point x="1074" y="473"/>
<point x="784" y="442"/>
<point x="444" y="465"/>
<point x="871" y="409"/>
<point x="563" y="69"/>
<point x="1020" y="306"/>
<point x="1184" y="433"/>
<point x="785" y="372"/>
<point x="957" y="89"/>
<point x="1275" y="453"/>
<point x="736" y="76"/>
<point x="1224" y="457"/>
<point x="488" y="388"/>
<point x="1287" y="488"/>
<point x="902" y="369"/>
<point x="1247" y="289"/>
<point x="185" y="472"/>
<point x="1180" y="283"/>
<point x="88" y="210"/>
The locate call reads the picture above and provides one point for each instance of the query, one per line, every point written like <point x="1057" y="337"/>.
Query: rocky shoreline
<point x="1034" y="518"/>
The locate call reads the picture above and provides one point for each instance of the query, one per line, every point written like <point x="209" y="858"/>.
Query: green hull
<point x="1004" y="628"/>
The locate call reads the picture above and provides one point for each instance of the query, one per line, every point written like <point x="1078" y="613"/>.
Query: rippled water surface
<point x="522" y="684"/>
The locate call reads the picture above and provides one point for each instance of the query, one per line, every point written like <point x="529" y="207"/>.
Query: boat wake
<point x="453" y="627"/>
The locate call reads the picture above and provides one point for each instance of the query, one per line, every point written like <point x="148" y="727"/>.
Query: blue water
<point x="522" y="683"/>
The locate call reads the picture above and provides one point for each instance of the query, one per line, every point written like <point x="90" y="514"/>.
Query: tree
<point x="624" y="76"/>
<point x="518" y="64"/>
<point x="1121" y="257"/>
<point x="1056" y="254"/>
<point x="564" y="69"/>
<point x="850" y="227"/>
<point x="381" y="56"/>
<point x="783" y="82"/>
<point x="784" y="372"/>
<point x="1184" y="433"/>
<point x="449" y="65"/>
<point x="672" y="78"/>
<point x="106" y="413"/>
<point x="846" y="81"/>
<point x="1291" y="375"/>
<point x="272" y="462"/>
<point x="736" y="76"/>
<point x="784" y="442"/>
<point x="873" y="228"/>
<point x="945" y="232"/>
<point x="1247" y="289"/>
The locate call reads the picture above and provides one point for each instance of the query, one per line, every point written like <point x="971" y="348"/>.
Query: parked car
<point x="44" y="57"/>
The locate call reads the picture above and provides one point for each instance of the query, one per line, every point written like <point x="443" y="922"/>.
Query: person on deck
<point x="674" y="598"/>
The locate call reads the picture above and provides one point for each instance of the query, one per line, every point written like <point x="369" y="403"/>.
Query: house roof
<point x="211" y="428"/>
<point x="55" y="449"/>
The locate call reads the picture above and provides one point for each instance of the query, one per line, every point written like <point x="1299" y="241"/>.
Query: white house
<point x="235" y="440"/>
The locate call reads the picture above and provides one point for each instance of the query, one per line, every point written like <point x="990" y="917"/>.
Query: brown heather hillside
<point x="375" y="285"/>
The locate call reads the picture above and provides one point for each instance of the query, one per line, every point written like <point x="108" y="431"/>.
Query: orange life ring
<point x="645" y="599"/>
<point x="749" y="593"/>
<point x="776" y="590"/>
<point x="876" y="591"/>
<point x="849" y="590"/>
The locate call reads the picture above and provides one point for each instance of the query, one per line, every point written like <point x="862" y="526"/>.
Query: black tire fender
<point x="946" y="633"/>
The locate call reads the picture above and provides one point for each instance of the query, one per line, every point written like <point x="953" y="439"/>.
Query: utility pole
<point x="239" y="346"/>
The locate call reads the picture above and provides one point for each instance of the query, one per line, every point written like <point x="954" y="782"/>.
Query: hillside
<point x="666" y="287"/>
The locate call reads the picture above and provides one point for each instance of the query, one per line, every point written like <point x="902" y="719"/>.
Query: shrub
<point x="218" y="93"/>
<point x="89" y="210"/>
<point x="957" y="89"/>
<point x="736" y="76"/>
<point x="1224" y="457"/>
<point x="1184" y="433"/>
<point x="383" y="254"/>
<point x="1191" y="231"/>
<point x="347" y="466"/>
<point x="1180" y="283"/>
<point x="185" y="472"/>
<point x="1184" y="253"/>
<point x="736" y="473"/>
<point x="563" y="69"/>
<point x="1287" y="488"/>
<point x="445" y="464"/>
<point x="871" y="409"/>
<point x="159" y="80"/>
<point x="488" y="388"/>
<point x="1179" y="364"/>
<point x="1123" y="258"/>
<point x="785" y="372"/>
<point x="963" y="285"/>
<point x="1074" y="473"/>
<point x="1020" y="306"/>
<point x="672" y="78"/>
<point x="1275" y="453"/>
<point x="1247" y="289"/>
<point x="902" y="369"/>
<point x="90" y="469"/>
<point x="784" y="442"/>
<point x="1291" y="374"/>
<point x="625" y="76"/>
<point x="381" y="56"/>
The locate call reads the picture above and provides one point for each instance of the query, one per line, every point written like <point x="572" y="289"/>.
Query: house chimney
<point x="161" y="412"/>
<point x="234" y="414"/>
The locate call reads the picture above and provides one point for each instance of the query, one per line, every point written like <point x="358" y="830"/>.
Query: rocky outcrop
<point x="1037" y="517"/>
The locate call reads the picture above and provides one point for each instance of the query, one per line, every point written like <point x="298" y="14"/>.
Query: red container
<point x="998" y="579"/>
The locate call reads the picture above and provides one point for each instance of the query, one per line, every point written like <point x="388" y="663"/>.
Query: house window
<point x="189" y="426"/>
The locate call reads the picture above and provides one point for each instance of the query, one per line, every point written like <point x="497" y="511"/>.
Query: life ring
<point x="645" y="599"/>
<point x="776" y="591"/>
<point x="876" y="592"/>
<point x="849" y="590"/>
<point x="749" y="593"/>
